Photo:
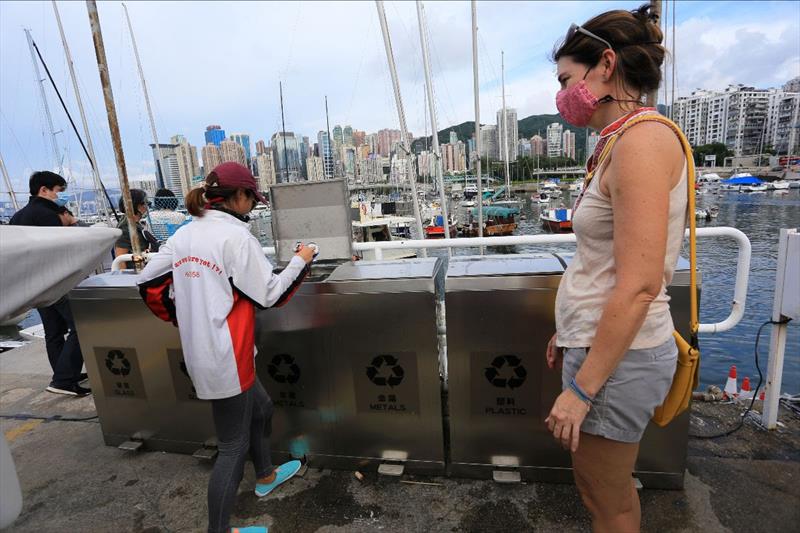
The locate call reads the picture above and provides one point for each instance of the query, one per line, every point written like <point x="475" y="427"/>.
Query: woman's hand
<point x="566" y="418"/>
<point x="553" y="353"/>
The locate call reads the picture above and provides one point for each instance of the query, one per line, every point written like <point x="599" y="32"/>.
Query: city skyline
<point x="741" y="43"/>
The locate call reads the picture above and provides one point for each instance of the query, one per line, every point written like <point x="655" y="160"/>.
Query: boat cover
<point x="743" y="180"/>
<point x="39" y="265"/>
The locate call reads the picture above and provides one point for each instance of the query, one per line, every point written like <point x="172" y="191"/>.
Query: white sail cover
<point x="39" y="265"/>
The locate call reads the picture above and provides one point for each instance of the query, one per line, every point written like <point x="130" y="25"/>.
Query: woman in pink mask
<point x="614" y="339"/>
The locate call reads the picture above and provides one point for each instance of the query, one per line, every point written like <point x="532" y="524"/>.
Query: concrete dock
<point x="72" y="481"/>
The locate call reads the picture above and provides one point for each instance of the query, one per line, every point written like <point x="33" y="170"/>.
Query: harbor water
<point x="759" y="215"/>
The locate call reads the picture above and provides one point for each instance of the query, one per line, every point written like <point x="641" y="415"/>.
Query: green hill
<point x="528" y="127"/>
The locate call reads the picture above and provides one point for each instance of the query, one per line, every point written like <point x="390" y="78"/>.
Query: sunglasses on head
<point x="574" y="28"/>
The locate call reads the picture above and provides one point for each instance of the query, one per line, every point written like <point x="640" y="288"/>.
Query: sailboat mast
<point x="40" y="83"/>
<point x="160" y="170"/>
<point x="283" y="129"/>
<point x="477" y="115"/>
<point x="423" y="38"/>
<point x="505" y="123"/>
<point x="113" y="125"/>
<point x="387" y="44"/>
<point x="98" y="185"/>
<point x="8" y="184"/>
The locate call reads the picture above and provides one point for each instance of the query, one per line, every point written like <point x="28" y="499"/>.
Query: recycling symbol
<point x="117" y="364"/>
<point x="383" y="365"/>
<point x="512" y="378"/>
<point x="278" y="366"/>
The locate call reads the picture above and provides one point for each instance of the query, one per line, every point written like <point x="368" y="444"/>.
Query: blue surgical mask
<point x="62" y="199"/>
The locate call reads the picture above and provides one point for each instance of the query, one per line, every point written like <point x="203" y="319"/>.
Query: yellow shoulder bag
<point x="687" y="372"/>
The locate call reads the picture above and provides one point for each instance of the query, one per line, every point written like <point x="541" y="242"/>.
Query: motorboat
<point x="557" y="220"/>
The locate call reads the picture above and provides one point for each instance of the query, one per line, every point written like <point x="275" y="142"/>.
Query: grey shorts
<point x="623" y="407"/>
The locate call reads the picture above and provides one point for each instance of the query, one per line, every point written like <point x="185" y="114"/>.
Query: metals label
<point x="287" y="377"/>
<point x="181" y="381"/>
<point x="386" y="382"/>
<point x="500" y="385"/>
<point x="120" y="372"/>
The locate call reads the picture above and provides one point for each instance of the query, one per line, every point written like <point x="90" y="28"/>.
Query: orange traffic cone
<point x="745" y="393"/>
<point x="731" y="386"/>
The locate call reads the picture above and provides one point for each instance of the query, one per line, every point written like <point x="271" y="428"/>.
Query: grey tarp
<point x="39" y="265"/>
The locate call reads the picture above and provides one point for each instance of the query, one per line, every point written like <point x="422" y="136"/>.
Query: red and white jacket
<point x="207" y="279"/>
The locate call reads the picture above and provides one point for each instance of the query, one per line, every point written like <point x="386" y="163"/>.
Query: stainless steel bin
<point x="500" y="316"/>
<point x="352" y="364"/>
<point x="136" y="371"/>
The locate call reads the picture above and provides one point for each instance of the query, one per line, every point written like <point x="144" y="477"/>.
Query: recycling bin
<point x="352" y="365"/>
<point x="139" y="382"/>
<point x="500" y="316"/>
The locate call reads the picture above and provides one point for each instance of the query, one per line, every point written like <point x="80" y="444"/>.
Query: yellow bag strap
<point x="694" y="323"/>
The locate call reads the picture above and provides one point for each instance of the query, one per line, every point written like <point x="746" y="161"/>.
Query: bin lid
<point x="116" y="279"/>
<point x="683" y="263"/>
<point x="504" y="265"/>
<point x="400" y="269"/>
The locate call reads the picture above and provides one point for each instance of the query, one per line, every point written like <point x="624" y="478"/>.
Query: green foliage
<point x="718" y="149"/>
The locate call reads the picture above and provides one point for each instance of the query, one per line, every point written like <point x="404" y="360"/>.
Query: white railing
<point x="739" y="290"/>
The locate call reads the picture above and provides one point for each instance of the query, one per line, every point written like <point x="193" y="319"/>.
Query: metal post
<point x="652" y="97"/>
<point x="477" y="115"/>
<point x="98" y="185"/>
<point x="387" y="43"/>
<point x="49" y="118"/>
<point x="8" y="184"/>
<point x="160" y="170"/>
<point x="786" y="286"/>
<point x="113" y="124"/>
<point x="426" y="63"/>
<point x="505" y="123"/>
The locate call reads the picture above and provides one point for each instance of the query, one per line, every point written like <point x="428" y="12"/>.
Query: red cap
<point x="235" y="176"/>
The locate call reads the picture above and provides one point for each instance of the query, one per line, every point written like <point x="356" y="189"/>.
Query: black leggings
<point x="242" y="422"/>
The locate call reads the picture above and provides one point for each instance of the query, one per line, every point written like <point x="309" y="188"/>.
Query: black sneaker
<point x="83" y="377"/>
<point x="69" y="390"/>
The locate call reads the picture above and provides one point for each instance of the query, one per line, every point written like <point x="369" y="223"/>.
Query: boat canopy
<point x="743" y="180"/>
<point x="499" y="211"/>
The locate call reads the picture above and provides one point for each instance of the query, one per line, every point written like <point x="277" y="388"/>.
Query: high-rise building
<point x="568" y="144"/>
<point x="211" y="157"/>
<point x="784" y="122"/>
<point x="326" y="153"/>
<point x="214" y="134"/>
<point x="188" y="165"/>
<point x="745" y="119"/>
<point x="453" y="137"/>
<point x="261" y="147"/>
<point x="168" y="165"/>
<point x="512" y="135"/>
<point x="489" y="141"/>
<point x="348" y="158"/>
<point x="265" y="168"/>
<point x="591" y="143"/>
<point x="147" y="185"/>
<point x="554" y="132"/>
<point x="338" y="135"/>
<point x="243" y="139"/>
<point x="358" y="137"/>
<point x="285" y="153"/>
<point x="347" y="136"/>
<point x="792" y="86"/>
<point x="232" y="151"/>
<point x="538" y="146"/>
<point x="387" y="139"/>
<point x="371" y="140"/>
<point x="524" y="148"/>
<point x="316" y="168"/>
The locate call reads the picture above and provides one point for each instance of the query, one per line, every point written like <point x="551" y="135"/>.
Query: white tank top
<point x="587" y="283"/>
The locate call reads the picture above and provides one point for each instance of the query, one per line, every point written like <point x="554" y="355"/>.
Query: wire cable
<point x="755" y="392"/>
<point x="51" y="418"/>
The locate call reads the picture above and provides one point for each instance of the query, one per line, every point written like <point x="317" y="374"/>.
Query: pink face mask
<point x="577" y="104"/>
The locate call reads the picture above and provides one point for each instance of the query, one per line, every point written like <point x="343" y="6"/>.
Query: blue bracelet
<point x="573" y="385"/>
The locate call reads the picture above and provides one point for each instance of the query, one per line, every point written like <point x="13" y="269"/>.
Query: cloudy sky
<point x="220" y="63"/>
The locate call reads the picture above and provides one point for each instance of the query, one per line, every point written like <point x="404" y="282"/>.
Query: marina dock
<point x="72" y="481"/>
